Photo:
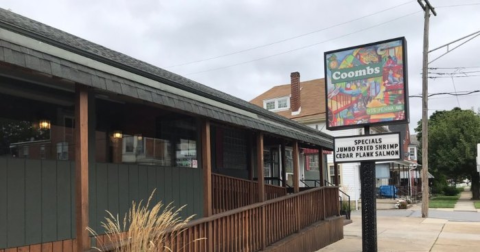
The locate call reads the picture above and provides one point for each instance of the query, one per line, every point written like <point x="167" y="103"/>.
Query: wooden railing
<point x="254" y="227"/>
<point x="230" y="193"/>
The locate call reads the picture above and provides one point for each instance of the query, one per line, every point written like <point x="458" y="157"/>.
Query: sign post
<point x="369" y="203"/>
<point x="366" y="86"/>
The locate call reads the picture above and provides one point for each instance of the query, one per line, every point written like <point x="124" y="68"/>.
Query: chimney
<point x="295" y="91"/>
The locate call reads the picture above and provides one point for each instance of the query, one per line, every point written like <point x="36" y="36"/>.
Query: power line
<point x="460" y="93"/>
<point x="287" y="39"/>
<point x="455" y="89"/>
<point x="458" y="76"/>
<point x="457" y="72"/>
<point x="303" y="47"/>
<point x="435" y="68"/>
<point x="457" y="5"/>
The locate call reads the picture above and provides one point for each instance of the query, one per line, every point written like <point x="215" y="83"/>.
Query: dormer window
<point x="277" y="104"/>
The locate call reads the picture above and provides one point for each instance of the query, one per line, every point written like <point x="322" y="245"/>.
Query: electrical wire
<point x="303" y="47"/>
<point x="461" y="93"/>
<point x="455" y="89"/>
<point x="287" y="39"/>
<point x="456" y="5"/>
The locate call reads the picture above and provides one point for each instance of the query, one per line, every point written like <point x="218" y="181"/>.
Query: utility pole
<point x="427" y="7"/>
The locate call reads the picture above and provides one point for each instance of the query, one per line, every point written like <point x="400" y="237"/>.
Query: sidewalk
<point x="465" y="203"/>
<point x="412" y="234"/>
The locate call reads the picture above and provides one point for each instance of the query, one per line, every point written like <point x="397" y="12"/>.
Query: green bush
<point x="450" y="191"/>
<point x="438" y="188"/>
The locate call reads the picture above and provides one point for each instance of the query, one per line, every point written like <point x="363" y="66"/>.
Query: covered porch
<point x="84" y="132"/>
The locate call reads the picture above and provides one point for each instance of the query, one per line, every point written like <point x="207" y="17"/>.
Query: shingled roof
<point x="49" y="35"/>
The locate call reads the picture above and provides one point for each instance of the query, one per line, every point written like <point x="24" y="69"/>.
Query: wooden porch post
<point x="207" y="169"/>
<point x="260" y="175"/>
<point x="284" y="165"/>
<point x="207" y="180"/>
<point x="81" y="167"/>
<point x="261" y="188"/>
<point x="296" y="170"/>
<point x="320" y="165"/>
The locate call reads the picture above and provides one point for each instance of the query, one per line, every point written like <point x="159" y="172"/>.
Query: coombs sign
<point x="366" y="85"/>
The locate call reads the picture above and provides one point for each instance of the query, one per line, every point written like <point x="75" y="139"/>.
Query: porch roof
<point x="63" y="55"/>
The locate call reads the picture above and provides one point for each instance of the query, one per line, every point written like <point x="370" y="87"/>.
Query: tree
<point x="452" y="139"/>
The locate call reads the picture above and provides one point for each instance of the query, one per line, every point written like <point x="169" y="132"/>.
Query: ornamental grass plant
<point x="143" y="228"/>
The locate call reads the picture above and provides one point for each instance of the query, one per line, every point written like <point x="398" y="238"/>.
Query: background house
<point x="304" y="102"/>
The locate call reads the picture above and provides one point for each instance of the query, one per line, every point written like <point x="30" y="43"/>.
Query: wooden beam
<point x="320" y="166"/>
<point x="207" y="169"/>
<point x="260" y="175"/>
<point x="296" y="170"/>
<point x="81" y="167"/>
<point x="284" y="165"/>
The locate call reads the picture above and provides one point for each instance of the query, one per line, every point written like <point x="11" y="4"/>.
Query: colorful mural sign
<point x="366" y="85"/>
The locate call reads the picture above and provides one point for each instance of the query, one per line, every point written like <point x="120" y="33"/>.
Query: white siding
<point x="351" y="180"/>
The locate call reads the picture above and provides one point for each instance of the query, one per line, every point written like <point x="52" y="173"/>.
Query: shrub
<point x="438" y="188"/>
<point x="450" y="191"/>
<point x="143" y="228"/>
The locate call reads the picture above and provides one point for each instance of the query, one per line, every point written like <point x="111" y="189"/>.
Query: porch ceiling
<point x="60" y="54"/>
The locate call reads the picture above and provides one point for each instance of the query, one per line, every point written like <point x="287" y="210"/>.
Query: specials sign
<point x="380" y="147"/>
<point x="366" y="85"/>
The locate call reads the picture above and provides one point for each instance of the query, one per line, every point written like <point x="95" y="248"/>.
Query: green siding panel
<point x="102" y="196"/>
<point x="123" y="183"/>
<point x="198" y="193"/>
<point x="49" y="200"/>
<point x="64" y="213"/>
<point x="190" y="191"/>
<point x="152" y="183"/>
<point x="143" y="183"/>
<point x="72" y="196"/>
<point x="33" y="201"/>
<point x="183" y="185"/>
<point x="168" y="185"/>
<point x="176" y="187"/>
<point x="3" y="202"/>
<point x="92" y="195"/>
<point x="113" y="189"/>
<point x="160" y="193"/>
<point x="16" y="202"/>
<point x="132" y="183"/>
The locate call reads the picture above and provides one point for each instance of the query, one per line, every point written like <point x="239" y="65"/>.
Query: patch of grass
<point x="443" y="201"/>
<point x="477" y="204"/>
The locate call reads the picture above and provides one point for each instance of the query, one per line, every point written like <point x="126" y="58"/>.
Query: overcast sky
<point x="246" y="47"/>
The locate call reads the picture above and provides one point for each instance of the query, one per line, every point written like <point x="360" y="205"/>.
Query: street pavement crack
<point x="433" y="245"/>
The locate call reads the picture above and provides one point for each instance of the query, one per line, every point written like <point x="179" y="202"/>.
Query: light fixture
<point x="117" y="134"/>
<point x="139" y="137"/>
<point x="44" y="124"/>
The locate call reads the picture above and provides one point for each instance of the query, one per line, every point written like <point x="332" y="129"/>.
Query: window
<point x="25" y="151"/>
<point x="270" y="105"/>
<point x="282" y="103"/>
<point x="62" y="151"/>
<point x="311" y="162"/>
<point x="412" y="154"/>
<point x="332" y="175"/>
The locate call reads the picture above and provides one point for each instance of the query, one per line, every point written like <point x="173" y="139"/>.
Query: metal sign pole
<point x="369" y="206"/>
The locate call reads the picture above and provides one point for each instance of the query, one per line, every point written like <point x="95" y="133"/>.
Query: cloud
<point x="166" y="33"/>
